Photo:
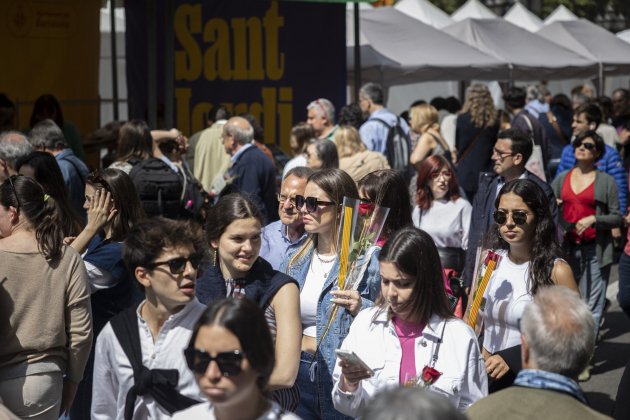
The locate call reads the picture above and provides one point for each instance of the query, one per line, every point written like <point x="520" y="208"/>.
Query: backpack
<point x="397" y="148"/>
<point x="160" y="188"/>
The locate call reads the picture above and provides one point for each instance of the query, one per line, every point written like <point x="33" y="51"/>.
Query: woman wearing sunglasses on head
<point x="590" y="209"/>
<point x="46" y="326"/>
<point x="524" y="236"/>
<point x="234" y="232"/>
<point x="231" y="353"/>
<point x="315" y="265"/>
<point x="410" y="337"/>
<point x="113" y="207"/>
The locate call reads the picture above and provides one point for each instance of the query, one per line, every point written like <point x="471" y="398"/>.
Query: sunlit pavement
<point x="611" y="355"/>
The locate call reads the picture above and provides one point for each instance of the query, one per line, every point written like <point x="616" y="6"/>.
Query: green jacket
<point x="607" y="215"/>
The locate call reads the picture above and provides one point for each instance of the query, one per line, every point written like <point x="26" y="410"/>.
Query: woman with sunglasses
<point x="113" y="207"/>
<point x="231" y="353"/>
<point x="525" y="238"/>
<point x="315" y="265"/>
<point x="410" y="337"/>
<point x="234" y="232"/>
<point x="441" y="212"/>
<point x="46" y="326"/>
<point x="590" y="209"/>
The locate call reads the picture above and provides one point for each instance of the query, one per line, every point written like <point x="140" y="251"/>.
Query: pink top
<point x="407" y="333"/>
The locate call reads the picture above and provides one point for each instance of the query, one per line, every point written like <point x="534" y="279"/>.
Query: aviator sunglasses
<point x="518" y="216"/>
<point x="178" y="265"/>
<point x="311" y="203"/>
<point x="587" y="146"/>
<point x="229" y="362"/>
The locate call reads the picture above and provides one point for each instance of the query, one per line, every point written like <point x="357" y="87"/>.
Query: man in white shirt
<point x="163" y="255"/>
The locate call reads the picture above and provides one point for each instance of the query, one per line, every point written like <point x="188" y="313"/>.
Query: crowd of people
<point x="200" y="278"/>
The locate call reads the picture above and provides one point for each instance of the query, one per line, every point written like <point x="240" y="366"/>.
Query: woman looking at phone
<point x="410" y="336"/>
<point x="232" y="355"/>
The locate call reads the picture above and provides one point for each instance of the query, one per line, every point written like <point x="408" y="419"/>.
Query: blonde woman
<point x="475" y="135"/>
<point x="425" y="121"/>
<point x="354" y="158"/>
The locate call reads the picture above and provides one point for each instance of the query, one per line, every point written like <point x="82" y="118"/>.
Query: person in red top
<point x="590" y="209"/>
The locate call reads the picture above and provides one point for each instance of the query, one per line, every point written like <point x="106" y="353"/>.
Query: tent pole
<point x="600" y="76"/>
<point x="169" y="60"/>
<point x="151" y="64"/>
<point x="357" y="53"/>
<point x="112" y="26"/>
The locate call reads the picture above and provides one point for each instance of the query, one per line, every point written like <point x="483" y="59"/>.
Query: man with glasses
<point x="510" y="154"/>
<point x="139" y="359"/>
<point x="321" y="116"/>
<point x="278" y="236"/>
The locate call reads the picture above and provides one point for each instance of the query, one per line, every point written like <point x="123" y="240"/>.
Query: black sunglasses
<point x="311" y="203"/>
<point x="17" y="199"/>
<point x="229" y="362"/>
<point x="587" y="146"/>
<point x="178" y="265"/>
<point x="518" y="216"/>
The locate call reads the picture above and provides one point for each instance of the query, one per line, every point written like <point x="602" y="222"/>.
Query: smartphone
<point x="352" y="358"/>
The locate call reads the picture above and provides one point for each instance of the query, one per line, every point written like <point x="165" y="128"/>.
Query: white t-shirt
<point x="506" y="298"/>
<point x="447" y="222"/>
<point x="309" y="296"/>
<point x="205" y="411"/>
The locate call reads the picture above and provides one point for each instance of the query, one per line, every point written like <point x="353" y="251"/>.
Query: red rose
<point x="430" y="375"/>
<point x="365" y="209"/>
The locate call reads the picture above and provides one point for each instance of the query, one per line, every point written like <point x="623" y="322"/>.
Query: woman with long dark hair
<point x="113" y="208"/>
<point x="441" y="212"/>
<point x="43" y="168"/>
<point x="315" y="265"/>
<point x="321" y="154"/>
<point x="410" y="336"/>
<point x="525" y="238"/>
<point x="231" y="353"/>
<point x="135" y="144"/>
<point x="234" y="233"/>
<point x="387" y="188"/>
<point x="46" y="326"/>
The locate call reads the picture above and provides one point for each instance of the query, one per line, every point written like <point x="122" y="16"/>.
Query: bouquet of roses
<point x="359" y="230"/>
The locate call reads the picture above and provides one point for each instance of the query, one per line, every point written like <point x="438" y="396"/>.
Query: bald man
<point x="252" y="173"/>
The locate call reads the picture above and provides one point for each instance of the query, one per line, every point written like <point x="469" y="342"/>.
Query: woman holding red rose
<point x="410" y="336"/>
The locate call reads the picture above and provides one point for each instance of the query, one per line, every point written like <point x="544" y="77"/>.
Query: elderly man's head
<point x="321" y="115"/>
<point x="237" y="132"/>
<point x="557" y="332"/>
<point x="13" y="146"/>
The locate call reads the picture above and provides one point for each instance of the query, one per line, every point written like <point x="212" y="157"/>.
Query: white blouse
<point x="447" y="221"/>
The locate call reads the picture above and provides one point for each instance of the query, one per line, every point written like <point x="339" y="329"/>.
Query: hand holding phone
<point x="353" y="368"/>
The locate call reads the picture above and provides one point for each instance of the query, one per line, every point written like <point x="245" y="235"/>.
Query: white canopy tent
<point x="473" y="9"/>
<point x="424" y="11"/>
<point x="406" y="60"/>
<point x="530" y="56"/>
<point x="625" y="35"/>
<point x="520" y="15"/>
<point x="560" y="14"/>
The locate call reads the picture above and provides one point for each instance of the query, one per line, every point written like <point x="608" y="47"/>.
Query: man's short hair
<point x="47" y="134"/>
<point x="13" y="146"/>
<point x="149" y="238"/>
<point x="325" y="107"/>
<point x="410" y="403"/>
<point x="521" y="142"/>
<point x="374" y="92"/>
<point x="591" y="111"/>
<point x="559" y="330"/>
<point x="302" y="172"/>
<point x="515" y="97"/>
<point x="625" y="92"/>
<point x="243" y="135"/>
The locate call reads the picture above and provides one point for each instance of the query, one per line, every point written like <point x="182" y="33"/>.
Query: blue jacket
<point x="610" y="163"/>
<point x="369" y="288"/>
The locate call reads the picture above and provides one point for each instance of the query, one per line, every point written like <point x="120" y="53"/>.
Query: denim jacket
<point x="369" y="288"/>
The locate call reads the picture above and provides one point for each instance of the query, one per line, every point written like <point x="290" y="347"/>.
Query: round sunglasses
<point x="178" y="265"/>
<point x="518" y="216"/>
<point x="229" y="362"/>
